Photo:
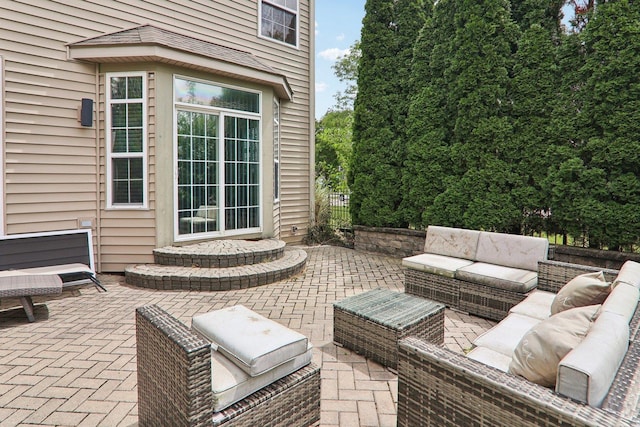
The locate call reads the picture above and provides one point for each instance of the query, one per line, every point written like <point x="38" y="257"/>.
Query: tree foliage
<point x="493" y="116"/>
<point x="378" y="153"/>
<point x="611" y="116"/>
<point x="346" y="70"/>
<point x="333" y="148"/>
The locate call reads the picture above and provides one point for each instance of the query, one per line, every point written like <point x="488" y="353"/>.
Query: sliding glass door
<point x="218" y="160"/>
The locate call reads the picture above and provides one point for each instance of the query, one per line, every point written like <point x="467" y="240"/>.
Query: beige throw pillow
<point x="538" y="354"/>
<point x="583" y="290"/>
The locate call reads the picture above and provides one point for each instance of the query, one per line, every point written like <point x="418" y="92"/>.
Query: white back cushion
<point x="511" y="250"/>
<point x="453" y="242"/>
<point x="622" y="300"/>
<point x="629" y="273"/>
<point x="587" y="372"/>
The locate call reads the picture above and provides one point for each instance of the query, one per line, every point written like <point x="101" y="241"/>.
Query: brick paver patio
<point x="76" y="365"/>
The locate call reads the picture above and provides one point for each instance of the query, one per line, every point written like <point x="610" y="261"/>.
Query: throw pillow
<point x="541" y="349"/>
<point x="583" y="290"/>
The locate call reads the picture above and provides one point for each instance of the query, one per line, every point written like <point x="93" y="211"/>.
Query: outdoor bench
<point x="478" y="272"/>
<point x="67" y="254"/>
<point x="597" y="383"/>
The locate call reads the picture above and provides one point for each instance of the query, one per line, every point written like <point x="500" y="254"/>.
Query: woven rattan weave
<point x="437" y="387"/>
<point x="373" y="322"/>
<point x="174" y="382"/>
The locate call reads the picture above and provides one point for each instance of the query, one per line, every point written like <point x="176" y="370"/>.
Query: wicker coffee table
<point x="372" y="323"/>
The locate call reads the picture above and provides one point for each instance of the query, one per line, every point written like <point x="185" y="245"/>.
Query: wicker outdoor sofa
<point x="437" y="387"/>
<point x="175" y="382"/>
<point x="478" y="272"/>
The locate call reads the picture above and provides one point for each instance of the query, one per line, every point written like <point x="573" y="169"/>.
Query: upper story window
<point x="126" y="140"/>
<point x="279" y="20"/>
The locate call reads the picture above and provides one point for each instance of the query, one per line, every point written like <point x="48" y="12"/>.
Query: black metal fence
<point x="340" y="217"/>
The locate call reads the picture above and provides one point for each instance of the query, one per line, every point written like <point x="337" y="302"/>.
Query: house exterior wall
<point x="54" y="168"/>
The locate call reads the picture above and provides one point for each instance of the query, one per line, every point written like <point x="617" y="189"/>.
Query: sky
<point x="338" y="24"/>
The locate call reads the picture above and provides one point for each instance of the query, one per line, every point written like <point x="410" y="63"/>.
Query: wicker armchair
<point x="174" y="382"/>
<point x="437" y="387"/>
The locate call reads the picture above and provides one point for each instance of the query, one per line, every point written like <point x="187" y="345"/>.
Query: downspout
<point x="312" y="115"/>
<point x="98" y="252"/>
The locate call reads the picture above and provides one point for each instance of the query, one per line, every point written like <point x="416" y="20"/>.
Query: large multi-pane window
<point x="126" y="140"/>
<point x="218" y="158"/>
<point x="279" y="20"/>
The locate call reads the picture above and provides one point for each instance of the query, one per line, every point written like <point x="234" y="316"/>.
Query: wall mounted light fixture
<point x="86" y="112"/>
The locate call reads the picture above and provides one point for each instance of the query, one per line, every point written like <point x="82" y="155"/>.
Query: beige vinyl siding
<point x="53" y="174"/>
<point x="50" y="170"/>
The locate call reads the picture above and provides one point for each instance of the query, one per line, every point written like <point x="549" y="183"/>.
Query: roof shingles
<point x="150" y="35"/>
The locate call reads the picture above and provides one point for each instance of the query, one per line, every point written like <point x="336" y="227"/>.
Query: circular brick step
<point x="167" y="277"/>
<point x="220" y="253"/>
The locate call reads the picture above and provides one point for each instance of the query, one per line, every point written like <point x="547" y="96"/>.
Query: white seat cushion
<point x="208" y="212"/>
<point x="253" y="342"/>
<point x="587" y="372"/>
<point x="436" y="264"/>
<point x="537" y="305"/>
<point x="505" y="336"/>
<point x="490" y="357"/>
<point x="498" y="276"/>
<point x="231" y="384"/>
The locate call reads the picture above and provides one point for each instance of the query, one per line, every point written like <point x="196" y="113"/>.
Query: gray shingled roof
<point x="149" y="35"/>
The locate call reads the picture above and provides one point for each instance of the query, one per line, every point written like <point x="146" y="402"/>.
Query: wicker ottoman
<point x="372" y="323"/>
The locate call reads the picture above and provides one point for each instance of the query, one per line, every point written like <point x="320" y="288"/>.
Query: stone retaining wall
<point x="400" y="242"/>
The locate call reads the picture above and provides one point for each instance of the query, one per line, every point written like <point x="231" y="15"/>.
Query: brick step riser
<point x="163" y="277"/>
<point x="210" y="284"/>
<point x="217" y="261"/>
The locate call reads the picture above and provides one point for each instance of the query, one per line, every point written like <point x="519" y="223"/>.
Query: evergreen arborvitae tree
<point x="428" y="128"/>
<point x="536" y="83"/>
<point x="371" y="175"/>
<point x="378" y="153"/>
<point x="611" y="116"/>
<point x="561" y="188"/>
<point x="478" y="191"/>
<point x="547" y="14"/>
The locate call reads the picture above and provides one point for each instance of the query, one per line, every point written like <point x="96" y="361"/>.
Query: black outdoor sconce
<point x="86" y="112"/>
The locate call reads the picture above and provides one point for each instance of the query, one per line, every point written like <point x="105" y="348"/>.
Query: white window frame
<point x="279" y="6"/>
<point x="222" y="113"/>
<point x="110" y="155"/>
<point x="276" y="150"/>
